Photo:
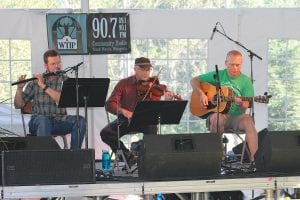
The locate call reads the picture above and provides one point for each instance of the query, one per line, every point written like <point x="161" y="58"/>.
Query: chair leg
<point x="24" y="126"/>
<point x="224" y="147"/>
<point x="243" y="151"/>
<point x="244" y="148"/>
<point x="65" y="141"/>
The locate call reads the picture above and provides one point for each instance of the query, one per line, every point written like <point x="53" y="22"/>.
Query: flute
<point x="44" y="75"/>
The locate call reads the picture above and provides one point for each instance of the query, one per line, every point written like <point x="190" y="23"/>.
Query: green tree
<point x="284" y="78"/>
<point x="40" y="4"/>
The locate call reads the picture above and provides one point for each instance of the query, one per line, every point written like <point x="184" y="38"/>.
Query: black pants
<point x="109" y="134"/>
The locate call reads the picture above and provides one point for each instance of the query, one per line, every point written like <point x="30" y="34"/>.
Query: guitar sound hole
<point x="210" y="105"/>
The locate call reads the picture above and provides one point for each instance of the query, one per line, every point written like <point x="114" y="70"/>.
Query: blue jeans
<point x="40" y="125"/>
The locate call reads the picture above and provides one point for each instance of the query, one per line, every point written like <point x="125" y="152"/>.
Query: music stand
<point x="152" y="113"/>
<point x="157" y="113"/>
<point x="92" y="92"/>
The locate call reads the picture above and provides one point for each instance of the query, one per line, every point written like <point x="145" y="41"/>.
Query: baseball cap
<point x="143" y="62"/>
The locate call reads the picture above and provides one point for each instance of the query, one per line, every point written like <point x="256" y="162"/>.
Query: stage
<point x="124" y="185"/>
<point x="35" y="168"/>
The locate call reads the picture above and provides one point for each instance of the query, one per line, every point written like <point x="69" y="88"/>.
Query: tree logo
<point x="67" y="33"/>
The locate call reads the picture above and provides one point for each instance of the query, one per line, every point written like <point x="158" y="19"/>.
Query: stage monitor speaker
<point x="28" y="143"/>
<point x="47" y="167"/>
<point x="279" y="151"/>
<point x="180" y="156"/>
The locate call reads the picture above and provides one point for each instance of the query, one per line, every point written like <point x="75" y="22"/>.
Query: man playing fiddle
<point x="122" y="102"/>
<point x="44" y="92"/>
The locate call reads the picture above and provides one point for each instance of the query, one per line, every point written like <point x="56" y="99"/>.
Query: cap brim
<point x="144" y="64"/>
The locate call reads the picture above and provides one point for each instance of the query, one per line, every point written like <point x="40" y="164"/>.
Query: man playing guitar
<point x="241" y="85"/>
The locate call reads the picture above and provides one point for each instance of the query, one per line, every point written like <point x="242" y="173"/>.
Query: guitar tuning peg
<point x="268" y="96"/>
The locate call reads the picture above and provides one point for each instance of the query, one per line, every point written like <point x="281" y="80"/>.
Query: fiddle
<point x="151" y="89"/>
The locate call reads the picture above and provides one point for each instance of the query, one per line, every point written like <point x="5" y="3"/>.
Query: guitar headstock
<point x="263" y="98"/>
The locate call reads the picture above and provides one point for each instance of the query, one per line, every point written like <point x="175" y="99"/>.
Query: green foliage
<point x="151" y="4"/>
<point x="34" y="4"/>
<point x="4" y="51"/>
<point x="14" y="60"/>
<point x="194" y="4"/>
<point x="284" y="80"/>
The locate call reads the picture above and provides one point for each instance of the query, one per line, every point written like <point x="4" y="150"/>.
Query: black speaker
<point x="28" y="143"/>
<point x="39" y="160"/>
<point x="278" y="151"/>
<point x="40" y="167"/>
<point x="179" y="156"/>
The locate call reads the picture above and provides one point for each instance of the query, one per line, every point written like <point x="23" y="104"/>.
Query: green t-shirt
<point x="241" y="86"/>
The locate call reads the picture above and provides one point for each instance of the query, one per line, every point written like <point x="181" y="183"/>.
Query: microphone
<point x="75" y="67"/>
<point x="78" y="64"/>
<point x="213" y="32"/>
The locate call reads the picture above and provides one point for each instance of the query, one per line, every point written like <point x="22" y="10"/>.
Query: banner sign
<point x="67" y="33"/>
<point x="95" y="33"/>
<point x="108" y="33"/>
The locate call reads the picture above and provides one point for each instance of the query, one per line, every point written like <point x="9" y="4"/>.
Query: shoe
<point x="136" y="146"/>
<point x="252" y="167"/>
<point x="130" y="158"/>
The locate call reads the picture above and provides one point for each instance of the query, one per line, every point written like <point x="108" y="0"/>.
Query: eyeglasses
<point x="54" y="64"/>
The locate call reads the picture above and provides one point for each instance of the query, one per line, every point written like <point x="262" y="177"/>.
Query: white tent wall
<point x="251" y="27"/>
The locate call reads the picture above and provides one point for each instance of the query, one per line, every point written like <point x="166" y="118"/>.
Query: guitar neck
<point x="250" y="99"/>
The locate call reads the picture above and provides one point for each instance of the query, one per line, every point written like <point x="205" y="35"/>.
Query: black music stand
<point x="152" y="113"/>
<point x="157" y="113"/>
<point x="92" y="92"/>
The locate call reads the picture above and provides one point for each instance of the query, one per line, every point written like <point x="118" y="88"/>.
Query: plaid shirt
<point x="42" y="103"/>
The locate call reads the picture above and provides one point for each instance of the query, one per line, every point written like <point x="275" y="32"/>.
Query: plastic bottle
<point x="159" y="196"/>
<point x="106" y="161"/>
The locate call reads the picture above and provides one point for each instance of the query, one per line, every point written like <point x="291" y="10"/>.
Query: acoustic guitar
<point x="225" y="100"/>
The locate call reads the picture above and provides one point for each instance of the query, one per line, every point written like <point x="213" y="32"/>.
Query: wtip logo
<point x="67" y="34"/>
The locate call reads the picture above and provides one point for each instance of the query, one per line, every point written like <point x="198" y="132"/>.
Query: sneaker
<point x="130" y="158"/>
<point x="252" y="167"/>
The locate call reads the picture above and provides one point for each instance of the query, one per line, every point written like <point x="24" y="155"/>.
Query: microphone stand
<point x="75" y="68"/>
<point x="251" y="55"/>
<point x="218" y="90"/>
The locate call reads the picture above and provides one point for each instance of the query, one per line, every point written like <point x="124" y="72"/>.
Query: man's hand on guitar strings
<point x="203" y="100"/>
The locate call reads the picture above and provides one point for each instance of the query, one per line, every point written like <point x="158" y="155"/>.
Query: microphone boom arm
<point x="236" y="42"/>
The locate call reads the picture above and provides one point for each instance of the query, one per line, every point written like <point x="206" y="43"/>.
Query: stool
<point x="119" y="154"/>
<point x="27" y="109"/>
<point x="225" y="141"/>
<point x="243" y="142"/>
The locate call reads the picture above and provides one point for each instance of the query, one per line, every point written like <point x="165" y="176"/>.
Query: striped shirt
<point x="42" y="103"/>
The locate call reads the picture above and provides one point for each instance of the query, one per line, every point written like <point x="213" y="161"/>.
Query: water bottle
<point x="159" y="196"/>
<point x="105" y="161"/>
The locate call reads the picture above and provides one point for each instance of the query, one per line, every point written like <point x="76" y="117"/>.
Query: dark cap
<point x="143" y="62"/>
